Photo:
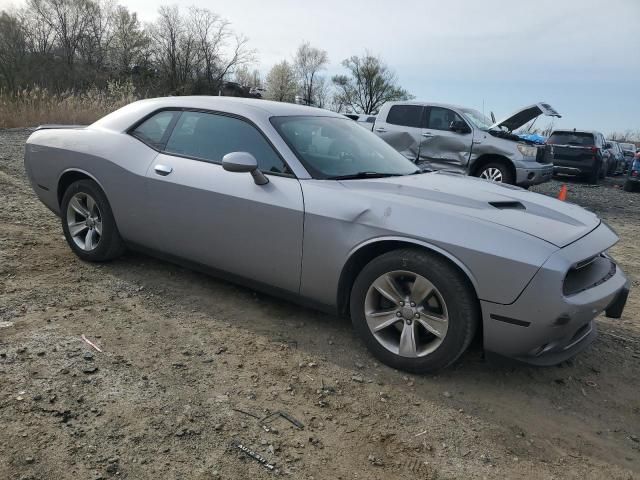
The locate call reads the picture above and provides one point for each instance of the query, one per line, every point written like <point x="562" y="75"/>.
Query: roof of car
<point x="573" y="130"/>
<point x="425" y="103"/>
<point x="248" y="107"/>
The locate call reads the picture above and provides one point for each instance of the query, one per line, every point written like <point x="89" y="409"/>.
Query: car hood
<point x="525" y="115"/>
<point x="548" y="219"/>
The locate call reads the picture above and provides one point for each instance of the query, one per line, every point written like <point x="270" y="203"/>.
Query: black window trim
<point x="174" y="121"/>
<point x="165" y="135"/>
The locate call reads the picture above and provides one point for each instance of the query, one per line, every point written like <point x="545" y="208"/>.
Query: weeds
<point x="37" y="106"/>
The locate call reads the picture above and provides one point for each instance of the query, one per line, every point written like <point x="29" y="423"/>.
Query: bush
<point x="37" y="106"/>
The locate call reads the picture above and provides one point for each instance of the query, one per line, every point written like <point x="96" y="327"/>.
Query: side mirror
<point x="459" y="126"/>
<point x="244" y="162"/>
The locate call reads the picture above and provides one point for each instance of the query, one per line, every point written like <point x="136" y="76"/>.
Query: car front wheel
<point x="88" y="223"/>
<point x="414" y="310"/>
<point x="496" y="172"/>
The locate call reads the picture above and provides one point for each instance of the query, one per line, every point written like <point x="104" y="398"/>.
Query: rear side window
<point x="578" y="139"/>
<point x="210" y="137"/>
<point x="152" y="131"/>
<point x="405" y="115"/>
<point x="440" y="118"/>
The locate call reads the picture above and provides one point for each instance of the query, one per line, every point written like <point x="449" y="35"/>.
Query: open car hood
<point x="525" y="115"/>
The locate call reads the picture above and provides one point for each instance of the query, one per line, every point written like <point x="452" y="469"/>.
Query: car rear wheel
<point x="88" y="223"/>
<point x="496" y="172"/>
<point x="593" y="177"/>
<point x="414" y="310"/>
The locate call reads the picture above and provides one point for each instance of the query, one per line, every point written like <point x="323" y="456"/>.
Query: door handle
<point x="381" y="130"/>
<point x="427" y="134"/>
<point x="163" y="170"/>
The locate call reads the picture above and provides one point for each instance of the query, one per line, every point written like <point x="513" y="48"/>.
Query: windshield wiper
<point x="358" y="175"/>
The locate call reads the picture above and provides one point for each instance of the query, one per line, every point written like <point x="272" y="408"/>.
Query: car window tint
<point x="210" y="137"/>
<point x="441" y="118"/>
<point x="579" y="139"/>
<point x="152" y="130"/>
<point x="405" y="115"/>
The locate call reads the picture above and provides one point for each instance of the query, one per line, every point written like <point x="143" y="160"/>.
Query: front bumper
<point x="545" y="327"/>
<point x="527" y="176"/>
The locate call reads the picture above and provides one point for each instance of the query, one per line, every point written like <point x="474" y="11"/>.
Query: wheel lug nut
<point x="413" y="304"/>
<point x="417" y="315"/>
<point x="402" y="304"/>
<point x="408" y="322"/>
<point x="398" y="314"/>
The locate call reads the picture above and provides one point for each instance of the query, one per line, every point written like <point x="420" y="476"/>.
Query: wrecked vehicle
<point x="580" y="153"/>
<point x="305" y="203"/>
<point x="460" y="139"/>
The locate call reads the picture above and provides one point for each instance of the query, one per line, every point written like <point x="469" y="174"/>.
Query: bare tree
<point x="281" y="83"/>
<point x="247" y="78"/>
<point x="220" y="51"/>
<point x="321" y="92"/>
<point x="308" y="62"/>
<point x="370" y="84"/>
<point x="129" y="40"/>
<point x="13" y="49"/>
<point x="166" y="37"/>
<point x="38" y="31"/>
<point x="68" y="19"/>
<point x="96" y="40"/>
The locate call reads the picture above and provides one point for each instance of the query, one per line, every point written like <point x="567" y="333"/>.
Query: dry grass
<point x="36" y="106"/>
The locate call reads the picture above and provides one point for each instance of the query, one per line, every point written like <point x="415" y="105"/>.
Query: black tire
<point x="457" y="292"/>
<point x="507" y="174"/>
<point x="629" y="186"/>
<point x="593" y="177"/>
<point x="110" y="244"/>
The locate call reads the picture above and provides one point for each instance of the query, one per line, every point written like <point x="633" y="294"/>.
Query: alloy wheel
<point x="406" y="314"/>
<point x="84" y="221"/>
<point x="493" y="174"/>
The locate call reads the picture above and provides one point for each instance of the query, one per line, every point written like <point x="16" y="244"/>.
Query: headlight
<point x="528" y="150"/>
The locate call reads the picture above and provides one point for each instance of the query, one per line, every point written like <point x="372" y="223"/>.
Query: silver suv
<point x="449" y="137"/>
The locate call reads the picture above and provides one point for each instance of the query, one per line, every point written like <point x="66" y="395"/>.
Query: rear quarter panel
<point x="116" y="161"/>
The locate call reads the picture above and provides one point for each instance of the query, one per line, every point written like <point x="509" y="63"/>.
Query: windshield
<point x="333" y="147"/>
<point x="477" y="118"/>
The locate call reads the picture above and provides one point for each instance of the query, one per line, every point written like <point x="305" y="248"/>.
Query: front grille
<point x="588" y="274"/>
<point x="544" y="154"/>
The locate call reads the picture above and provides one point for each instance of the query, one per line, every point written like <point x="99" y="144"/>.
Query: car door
<point x="220" y="219"/>
<point x="402" y="129"/>
<point x="441" y="147"/>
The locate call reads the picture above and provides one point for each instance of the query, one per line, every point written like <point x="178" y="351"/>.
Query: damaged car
<point x="463" y="140"/>
<point x="304" y="203"/>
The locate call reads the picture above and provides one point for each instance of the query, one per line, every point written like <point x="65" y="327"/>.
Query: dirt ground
<point x="183" y="352"/>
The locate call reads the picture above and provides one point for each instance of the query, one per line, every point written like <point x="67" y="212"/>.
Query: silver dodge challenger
<point x="304" y="203"/>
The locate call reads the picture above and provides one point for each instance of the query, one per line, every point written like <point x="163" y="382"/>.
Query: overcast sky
<point x="581" y="56"/>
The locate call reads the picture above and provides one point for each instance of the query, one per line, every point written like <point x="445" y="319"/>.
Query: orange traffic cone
<point x="562" y="196"/>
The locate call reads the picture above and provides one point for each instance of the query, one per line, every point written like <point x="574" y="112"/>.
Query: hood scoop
<point x="508" y="205"/>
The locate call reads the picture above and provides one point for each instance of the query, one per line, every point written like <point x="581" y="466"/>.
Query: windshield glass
<point x="334" y="147"/>
<point x="477" y="118"/>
